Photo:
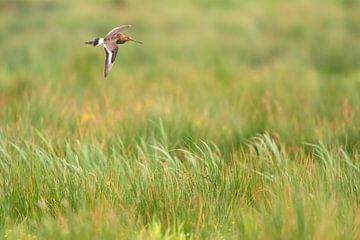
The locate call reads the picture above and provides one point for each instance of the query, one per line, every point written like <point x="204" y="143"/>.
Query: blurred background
<point x="218" y="70"/>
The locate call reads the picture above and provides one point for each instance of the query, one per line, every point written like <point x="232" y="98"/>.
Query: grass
<point x="233" y="120"/>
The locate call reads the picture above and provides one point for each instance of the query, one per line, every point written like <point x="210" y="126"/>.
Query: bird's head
<point x="127" y="38"/>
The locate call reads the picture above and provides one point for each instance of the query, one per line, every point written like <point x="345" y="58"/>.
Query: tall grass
<point x="86" y="190"/>
<point x="235" y="119"/>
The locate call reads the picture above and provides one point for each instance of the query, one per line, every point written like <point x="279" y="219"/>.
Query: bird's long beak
<point x="133" y="40"/>
<point x="89" y="42"/>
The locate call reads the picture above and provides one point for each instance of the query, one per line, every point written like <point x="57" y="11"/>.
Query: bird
<point x="109" y="42"/>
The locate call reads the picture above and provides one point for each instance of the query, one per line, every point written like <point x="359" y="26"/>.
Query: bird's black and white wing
<point x="116" y="31"/>
<point x="110" y="51"/>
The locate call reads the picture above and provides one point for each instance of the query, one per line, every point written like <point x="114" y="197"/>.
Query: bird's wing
<point x="114" y="32"/>
<point x="111" y="52"/>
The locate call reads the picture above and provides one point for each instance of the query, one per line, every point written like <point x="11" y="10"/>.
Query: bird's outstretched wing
<point x="114" y="32"/>
<point x="111" y="52"/>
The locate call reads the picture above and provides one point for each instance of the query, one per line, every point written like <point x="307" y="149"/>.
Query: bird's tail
<point x="90" y="42"/>
<point x="96" y="42"/>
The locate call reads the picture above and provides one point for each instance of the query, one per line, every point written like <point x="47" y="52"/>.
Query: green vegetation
<point x="235" y="119"/>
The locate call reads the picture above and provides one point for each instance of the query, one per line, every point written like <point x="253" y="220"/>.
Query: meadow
<point x="234" y="120"/>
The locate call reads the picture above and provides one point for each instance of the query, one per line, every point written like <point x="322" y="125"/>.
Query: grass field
<point x="234" y="120"/>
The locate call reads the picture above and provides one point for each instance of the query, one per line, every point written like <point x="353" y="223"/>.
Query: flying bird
<point x="109" y="43"/>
